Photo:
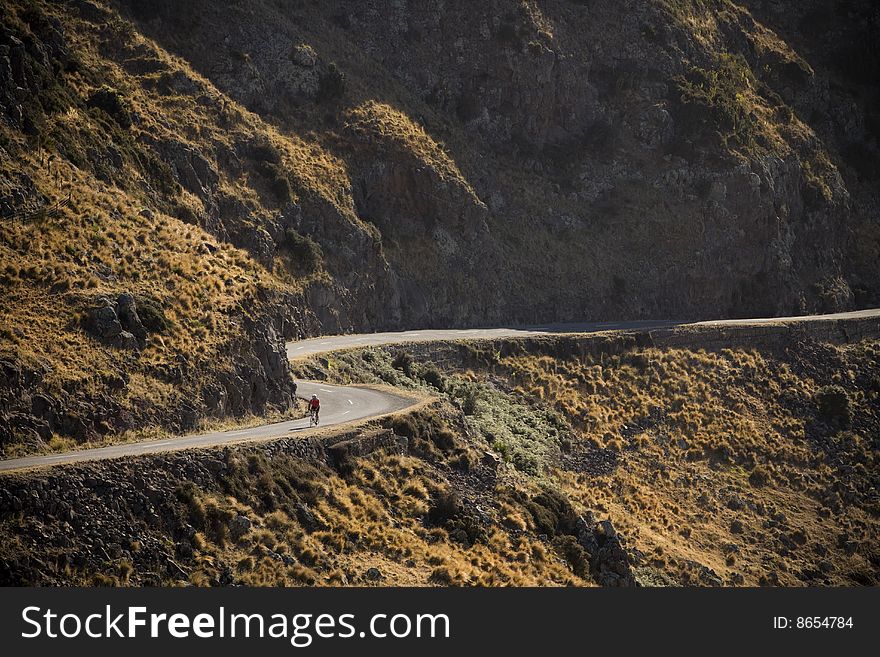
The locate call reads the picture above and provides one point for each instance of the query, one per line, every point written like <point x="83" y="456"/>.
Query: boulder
<point x="126" y="340"/>
<point x="126" y="311"/>
<point x="239" y="526"/>
<point x="103" y="321"/>
<point x="610" y="561"/>
<point x="491" y="460"/>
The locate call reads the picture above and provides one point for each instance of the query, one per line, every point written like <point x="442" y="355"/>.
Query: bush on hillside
<point x="403" y="362"/>
<point x="434" y="378"/>
<point x="113" y="102"/>
<point x="152" y="317"/>
<point x="331" y="85"/>
<point x="833" y="403"/>
<point x="306" y="253"/>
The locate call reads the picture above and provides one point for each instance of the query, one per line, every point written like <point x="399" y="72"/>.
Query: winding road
<point x="339" y="404"/>
<point x="343" y="404"/>
<point x="313" y="346"/>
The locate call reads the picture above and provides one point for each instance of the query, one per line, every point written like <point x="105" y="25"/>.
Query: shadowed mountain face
<point x="184" y="185"/>
<point x="570" y="160"/>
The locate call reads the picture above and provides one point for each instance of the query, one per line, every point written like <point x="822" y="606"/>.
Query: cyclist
<point x="315" y="407"/>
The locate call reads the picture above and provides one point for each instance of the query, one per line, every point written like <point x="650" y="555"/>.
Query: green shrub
<point x="469" y="399"/>
<point x="113" y="102"/>
<point x="152" y="317"/>
<point x="403" y="362"/>
<point x="331" y="86"/>
<point x="186" y="214"/>
<point x="575" y="555"/>
<point x="716" y="97"/>
<point x="445" y="506"/>
<point x="448" y="511"/>
<point x="425" y="429"/>
<point x="277" y="180"/>
<point x="525" y="462"/>
<point x="434" y="378"/>
<point x="552" y="513"/>
<point x="262" y="151"/>
<point x="404" y="426"/>
<point x="833" y="403"/>
<point x="306" y="253"/>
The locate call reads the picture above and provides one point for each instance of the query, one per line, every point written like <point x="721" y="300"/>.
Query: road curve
<point x="340" y="404"/>
<point x="312" y="346"/>
<point x="349" y="403"/>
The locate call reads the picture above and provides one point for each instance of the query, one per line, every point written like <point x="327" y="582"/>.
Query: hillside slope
<point x="183" y="186"/>
<point x="610" y="459"/>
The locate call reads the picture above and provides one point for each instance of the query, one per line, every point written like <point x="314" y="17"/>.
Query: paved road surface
<point x="339" y="404"/>
<point x="347" y="403"/>
<point x="312" y="346"/>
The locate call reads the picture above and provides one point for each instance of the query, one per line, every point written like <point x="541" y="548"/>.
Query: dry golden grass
<point x="714" y="460"/>
<point x="719" y="467"/>
<point x="374" y="519"/>
<point x="721" y="459"/>
<point x="103" y="243"/>
<point x="394" y="129"/>
<point x="89" y="252"/>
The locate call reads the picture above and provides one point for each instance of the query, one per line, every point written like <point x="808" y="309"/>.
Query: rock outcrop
<point x="610" y="562"/>
<point x="110" y="322"/>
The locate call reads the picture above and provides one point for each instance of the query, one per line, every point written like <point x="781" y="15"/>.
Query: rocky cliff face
<point x="626" y="159"/>
<point x="354" y="166"/>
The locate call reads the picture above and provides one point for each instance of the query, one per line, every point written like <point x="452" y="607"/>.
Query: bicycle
<point x="313" y="417"/>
